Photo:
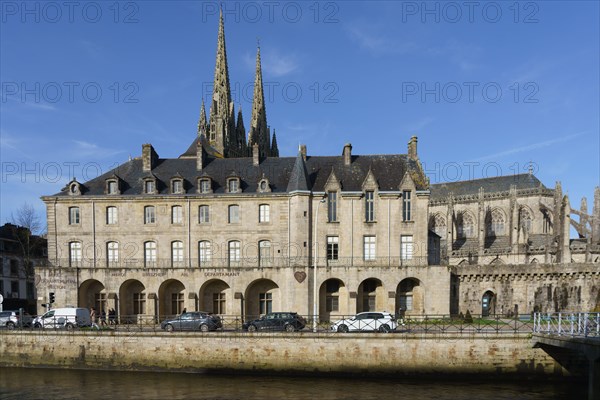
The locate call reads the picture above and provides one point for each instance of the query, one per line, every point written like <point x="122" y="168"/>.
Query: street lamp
<point x="315" y="294"/>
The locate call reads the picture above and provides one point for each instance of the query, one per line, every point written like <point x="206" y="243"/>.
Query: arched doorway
<point x="214" y="297"/>
<point x="488" y="304"/>
<point x="132" y="301"/>
<point x="370" y="296"/>
<point x="333" y="299"/>
<point x="92" y="293"/>
<point x="171" y="298"/>
<point x="262" y="297"/>
<point x="409" y="297"/>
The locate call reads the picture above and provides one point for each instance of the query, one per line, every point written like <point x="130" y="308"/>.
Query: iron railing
<point x="567" y="324"/>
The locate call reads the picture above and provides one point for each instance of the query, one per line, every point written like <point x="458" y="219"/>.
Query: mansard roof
<point x="388" y="170"/>
<point x="490" y="185"/>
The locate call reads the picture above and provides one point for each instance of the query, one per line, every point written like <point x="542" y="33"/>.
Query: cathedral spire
<point x="274" y="149"/>
<point x="202" y="122"/>
<point x="258" y="123"/>
<point x="220" y="123"/>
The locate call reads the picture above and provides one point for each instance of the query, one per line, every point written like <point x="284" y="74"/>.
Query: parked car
<point x="366" y="321"/>
<point x="10" y="319"/>
<point x="193" y="321"/>
<point x="68" y="318"/>
<point x="277" y="321"/>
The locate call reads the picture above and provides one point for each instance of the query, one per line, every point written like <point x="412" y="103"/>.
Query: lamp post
<point x="315" y="294"/>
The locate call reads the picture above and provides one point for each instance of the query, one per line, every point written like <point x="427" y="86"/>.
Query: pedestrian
<point x="103" y="318"/>
<point x="93" y="318"/>
<point x="111" y="316"/>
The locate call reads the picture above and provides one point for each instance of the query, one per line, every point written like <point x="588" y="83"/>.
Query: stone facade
<point x="232" y="228"/>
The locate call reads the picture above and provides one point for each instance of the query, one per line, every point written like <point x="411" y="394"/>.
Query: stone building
<point x="20" y="253"/>
<point x="232" y="228"/>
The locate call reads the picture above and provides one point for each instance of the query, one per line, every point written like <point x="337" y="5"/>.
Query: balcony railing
<point x="243" y="262"/>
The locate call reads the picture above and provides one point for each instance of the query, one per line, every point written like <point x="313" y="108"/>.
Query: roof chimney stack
<point x="412" y="148"/>
<point x="347" y="154"/>
<point x="303" y="151"/>
<point x="149" y="157"/>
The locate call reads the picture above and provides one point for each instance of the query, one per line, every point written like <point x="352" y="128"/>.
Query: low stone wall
<point x="298" y="353"/>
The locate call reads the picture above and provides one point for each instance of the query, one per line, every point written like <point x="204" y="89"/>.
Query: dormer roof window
<point x="263" y="186"/>
<point x="150" y="186"/>
<point x="177" y="185"/>
<point x="112" y="185"/>
<point x="74" y="188"/>
<point x="233" y="185"/>
<point x="205" y="185"/>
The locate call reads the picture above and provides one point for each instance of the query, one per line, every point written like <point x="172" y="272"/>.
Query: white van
<point x="68" y="318"/>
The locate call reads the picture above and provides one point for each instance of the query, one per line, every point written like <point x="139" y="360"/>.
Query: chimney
<point x="412" y="148"/>
<point x="199" y="156"/>
<point x="347" y="154"/>
<point x="303" y="151"/>
<point x="149" y="157"/>
<point x="255" y="155"/>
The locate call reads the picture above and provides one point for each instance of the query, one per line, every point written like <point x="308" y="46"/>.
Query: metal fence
<point x="416" y="324"/>
<point x="567" y="324"/>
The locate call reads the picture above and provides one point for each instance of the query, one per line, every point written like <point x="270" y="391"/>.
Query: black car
<point x="277" y="321"/>
<point x="192" y="321"/>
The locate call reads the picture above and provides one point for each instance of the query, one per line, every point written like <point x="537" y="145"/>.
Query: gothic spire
<point x="202" y="122"/>
<point x="220" y="124"/>
<point x="258" y="123"/>
<point x="240" y="131"/>
<point x="274" y="149"/>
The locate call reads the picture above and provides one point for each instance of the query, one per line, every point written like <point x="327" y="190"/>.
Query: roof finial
<point x="258" y="42"/>
<point x="530" y="169"/>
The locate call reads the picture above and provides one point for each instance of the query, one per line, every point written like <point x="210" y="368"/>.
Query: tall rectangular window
<point x="219" y="303"/>
<point x="176" y="253"/>
<point x="264" y="253"/>
<point x="234" y="214"/>
<point x="234" y="252"/>
<point x="265" y="301"/>
<point x="406" y="247"/>
<point x="406" y="214"/>
<point x="149" y="215"/>
<point x="150" y="254"/>
<point x="369" y="207"/>
<point x="112" y="187"/>
<point x="112" y="252"/>
<point x="73" y="215"/>
<point x="203" y="214"/>
<point x="177" y="186"/>
<point x="369" y="248"/>
<point x="139" y="303"/>
<point x="75" y="253"/>
<point x="205" y="186"/>
<point x="332" y="247"/>
<point x="204" y="254"/>
<point x="176" y="215"/>
<point x="263" y="213"/>
<point x="112" y="216"/>
<point x="331" y="206"/>
<point x="176" y="303"/>
<point x="233" y="185"/>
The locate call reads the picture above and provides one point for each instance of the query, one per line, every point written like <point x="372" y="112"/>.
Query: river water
<point x="26" y="384"/>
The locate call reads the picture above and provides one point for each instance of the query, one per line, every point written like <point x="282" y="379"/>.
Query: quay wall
<point x="297" y="353"/>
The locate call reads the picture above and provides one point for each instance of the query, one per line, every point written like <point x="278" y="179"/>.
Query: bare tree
<point x="26" y="225"/>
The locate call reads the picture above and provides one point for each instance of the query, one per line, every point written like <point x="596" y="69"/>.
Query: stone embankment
<point x="292" y="353"/>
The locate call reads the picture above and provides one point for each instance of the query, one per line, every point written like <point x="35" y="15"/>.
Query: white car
<point x="68" y="318"/>
<point x="366" y="321"/>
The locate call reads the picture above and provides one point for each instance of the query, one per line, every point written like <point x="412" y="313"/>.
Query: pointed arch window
<point x="495" y="223"/>
<point x="525" y="219"/>
<point x="437" y="224"/>
<point x="465" y="226"/>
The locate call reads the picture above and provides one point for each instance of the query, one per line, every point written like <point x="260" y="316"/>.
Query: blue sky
<point x="488" y="87"/>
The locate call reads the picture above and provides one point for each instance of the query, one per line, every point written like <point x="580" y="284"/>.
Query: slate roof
<point x="284" y="173"/>
<point x="489" y="185"/>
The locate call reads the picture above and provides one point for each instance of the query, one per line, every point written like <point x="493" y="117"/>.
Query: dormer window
<point x="150" y="186"/>
<point x="204" y="185"/>
<point x="74" y="188"/>
<point x="112" y="186"/>
<point x="177" y="186"/>
<point x="263" y="186"/>
<point x="233" y="185"/>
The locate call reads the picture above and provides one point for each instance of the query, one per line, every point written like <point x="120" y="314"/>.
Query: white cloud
<point x="86" y="149"/>
<point x="377" y="42"/>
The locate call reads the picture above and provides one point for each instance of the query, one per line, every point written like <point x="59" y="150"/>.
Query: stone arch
<point x="216" y="297"/>
<point x="526" y="218"/>
<point x="262" y="296"/>
<point x="488" y="303"/>
<point x="333" y="299"/>
<point x="132" y="301"/>
<point x="171" y="298"/>
<point x="534" y="261"/>
<point x="370" y="296"/>
<point x="92" y="293"/>
<point x="409" y="297"/>
<point x="496" y="261"/>
<point x="463" y="262"/>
